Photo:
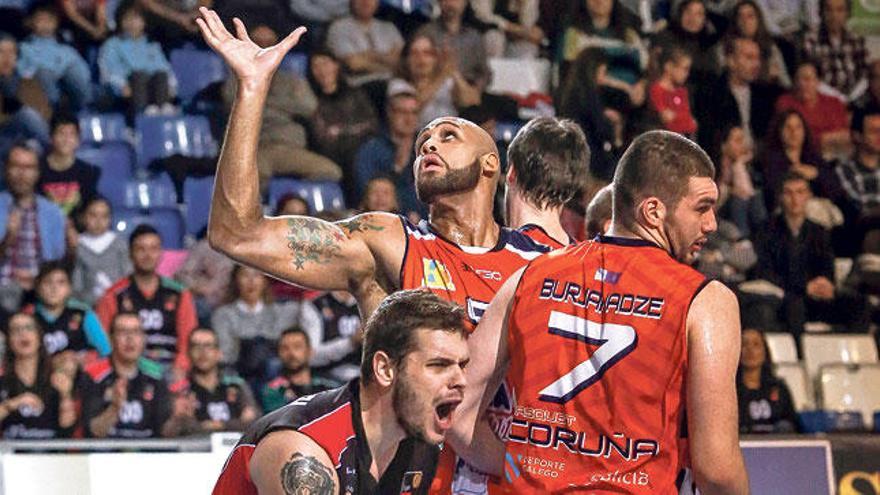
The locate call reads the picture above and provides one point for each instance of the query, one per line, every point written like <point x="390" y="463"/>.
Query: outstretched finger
<point x="215" y="25"/>
<point x="209" y="37"/>
<point x="240" y="30"/>
<point x="293" y="38"/>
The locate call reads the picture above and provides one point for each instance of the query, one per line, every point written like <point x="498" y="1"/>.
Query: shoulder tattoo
<point x="312" y="240"/>
<point x="306" y="476"/>
<point x="359" y="224"/>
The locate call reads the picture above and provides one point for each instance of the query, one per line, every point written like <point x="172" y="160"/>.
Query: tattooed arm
<point x="289" y="463"/>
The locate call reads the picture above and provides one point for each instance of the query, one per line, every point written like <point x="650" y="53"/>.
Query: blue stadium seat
<point x="115" y="161"/>
<point x="195" y="70"/>
<point x="161" y="136"/>
<point x="505" y="131"/>
<point x="295" y="63"/>
<point x="197" y="197"/>
<point x="320" y="195"/>
<point x="822" y="421"/>
<point x="155" y="192"/>
<point x="102" y="128"/>
<point x="168" y="221"/>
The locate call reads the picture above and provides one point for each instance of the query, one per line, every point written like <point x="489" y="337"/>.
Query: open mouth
<point x="445" y="412"/>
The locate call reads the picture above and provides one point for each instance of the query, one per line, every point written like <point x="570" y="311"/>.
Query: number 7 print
<point x="614" y="341"/>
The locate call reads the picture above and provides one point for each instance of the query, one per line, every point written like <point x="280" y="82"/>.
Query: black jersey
<point x="27" y="422"/>
<point x="333" y="420"/>
<point x="225" y="403"/>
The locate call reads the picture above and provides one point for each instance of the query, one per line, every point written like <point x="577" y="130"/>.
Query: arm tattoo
<point x="306" y="476"/>
<point x="359" y="224"/>
<point x="314" y="240"/>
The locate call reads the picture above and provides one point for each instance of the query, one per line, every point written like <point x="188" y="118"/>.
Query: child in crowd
<point x="135" y="68"/>
<point x="669" y="95"/>
<point x="101" y="254"/>
<point x="65" y="179"/>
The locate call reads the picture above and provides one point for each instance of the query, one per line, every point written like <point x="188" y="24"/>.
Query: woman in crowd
<point x="747" y="21"/>
<point x="35" y="402"/>
<point x="765" y="404"/>
<point x="690" y="29"/>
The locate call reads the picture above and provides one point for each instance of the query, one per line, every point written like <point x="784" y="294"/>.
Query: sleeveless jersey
<point x="333" y="420"/>
<point x="598" y="356"/>
<point x="540" y="236"/>
<point x="470" y="277"/>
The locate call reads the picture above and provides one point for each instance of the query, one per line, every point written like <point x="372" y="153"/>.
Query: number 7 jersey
<point x="598" y="358"/>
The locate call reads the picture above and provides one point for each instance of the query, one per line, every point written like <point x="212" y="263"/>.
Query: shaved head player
<point x="640" y="342"/>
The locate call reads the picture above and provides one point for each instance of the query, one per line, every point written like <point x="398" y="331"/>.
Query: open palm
<point x="247" y="60"/>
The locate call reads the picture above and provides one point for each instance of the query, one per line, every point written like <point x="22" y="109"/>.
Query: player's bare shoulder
<point x="287" y="462"/>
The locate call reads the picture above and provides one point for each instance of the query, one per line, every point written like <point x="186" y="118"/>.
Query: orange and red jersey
<point x="539" y="235"/>
<point x="598" y="356"/>
<point x="470" y="276"/>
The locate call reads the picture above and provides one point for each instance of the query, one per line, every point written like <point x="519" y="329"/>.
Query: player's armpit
<point x="288" y="463"/>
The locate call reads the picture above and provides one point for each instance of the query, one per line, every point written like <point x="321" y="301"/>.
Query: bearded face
<point x="436" y="183"/>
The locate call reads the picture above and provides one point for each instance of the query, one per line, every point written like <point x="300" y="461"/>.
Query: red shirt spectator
<point x="677" y="101"/>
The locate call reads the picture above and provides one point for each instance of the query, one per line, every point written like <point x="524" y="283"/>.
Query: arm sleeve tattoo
<point x="306" y="475"/>
<point x="312" y="240"/>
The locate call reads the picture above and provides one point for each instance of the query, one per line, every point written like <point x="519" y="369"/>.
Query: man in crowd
<point x="297" y="379"/>
<point x="65" y="179"/>
<point x="841" y="55"/>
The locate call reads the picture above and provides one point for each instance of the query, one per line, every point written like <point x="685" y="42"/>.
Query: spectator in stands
<point x="249" y="325"/>
<point x="737" y="98"/>
<point x="344" y="117"/>
<point x="825" y="115"/>
<point x="872" y="95"/>
<point x="172" y="22"/>
<point x="125" y="395"/>
<point x="101" y="254"/>
<point x="689" y="29"/>
<point x="748" y="22"/>
<point x="787" y="19"/>
<point x="860" y="175"/>
<point x="336" y="351"/>
<point x="291" y="204"/>
<point x="391" y="153"/>
<point x="58" y="67"/>
<point x="134" y="68"/>
<point x="739" y="199"/>
<point x="318" y="13"/>
<point x="515" y="32"/>
<point x="460" y="42"/>
<point x="33" y="229"/>
<point x="765" y="404"/>
<point x="669" y="95"/>
<point x="598" y="215"/>
<point x="72" y="333"/>
<point x="296" y="379"/>
<point x="165" y="308"/>
<point x="283" y="139"/>
<point x="24" y="107"/>
<point x="840" y="54"/>
<point x="206" y="274"/>
<point x="87" y="18"/>
<point x="65" y="179"/>
<point x="604" y="25"/>
<point x="369" y="48"/>
<point x="381" y="195"/>
<point x="439" y="86"/>
<point x="211" y="400"/>
<point x="36" y="403"/>
<point x="727" y="255"/>
<point x="796" y="255"/>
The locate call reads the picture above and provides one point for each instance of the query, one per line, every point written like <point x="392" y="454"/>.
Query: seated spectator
<point x="369" y="48"/>
<point x="24" y="107"/>
<point x="87" y="19"/>
<point x="249" y="325"/>
<point x="515" y="32"/>
<point x="872" y="95"/>
<point x="748" y="22"/>
<point x="790" y="148"/>
<point x="336" y="351"/>
<point x="344" y="117"/>
<point x="598" y="215"/>
<point x="72" y="334"/>
<point x="739" y="200"/>
<point x="65" y="179"/>
<point x="727" y="256"/>
<point x="669" y="95"/>
<point x="381" y="195"/>
<point x="125" y="395"/>
<point x="211" y="401"/>
<point x="101" y="254"/>
<point x="283" y="140"/>
<point x="787" y="19"/>
<point x="860" y="176"/>
<point x="206" y="274"/>
<point x="36" y="403"/>
<point x="825" y="115"/>
<point x="439" y="86"/>
<point x="840" y="54"/>
<point x="165" y="307"/>
<point x="689" y="29"/>
<point x="460" y="41"/>
<point x="135" y="68"/>
<point x="296" y="379"/>
<point x="291" y="204"/>
<point x="391" y="153"/>
<point x="796" y="255"/>
<point x="58" y="67"/>
<point x="765" y="404"/>
<point x="172" y="22"/>
<point x="33" y="229"/>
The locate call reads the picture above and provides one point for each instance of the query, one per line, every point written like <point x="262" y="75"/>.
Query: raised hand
<point x="248" y="61"/>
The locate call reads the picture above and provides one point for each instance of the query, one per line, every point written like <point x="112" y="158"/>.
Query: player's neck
<point x="638" y="232"/>
<point x="465" y="219"/>
<point x="381" y="428"/>
<point x="521" y="212"/>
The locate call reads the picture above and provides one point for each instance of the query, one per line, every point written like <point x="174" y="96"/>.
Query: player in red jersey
<point x="611" y="345"/>
<point x="549" y="163"/>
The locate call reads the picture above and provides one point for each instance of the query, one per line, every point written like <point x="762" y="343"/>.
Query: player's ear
<point x="491" y="164"/>
<point x="384" y="369"/>
<point x="510" y="178"/>
<point x="652" y="212"/>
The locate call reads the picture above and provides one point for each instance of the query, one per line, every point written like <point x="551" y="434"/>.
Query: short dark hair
<point x="60" y="119"/>
<point x="862" y="113"/>
<point x="672" y="53"/>
<point x="598" y="211"/>
<point x="4" y="36"/>
<point x="142" y="230"/>
<point x="823" y="5"/>
<point x="49" y="267"/>
<point x="295" y="330"/>
<point x="730" y="44"/>
<point x="122" y="314"/>
<point x="791" y="176"/>
<point x="202" y="329"/>
<point x="657" y="163"/>
<point x="551" y="159"/>
<point x="20" y="144"/>
<point x="392" y="327"/>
